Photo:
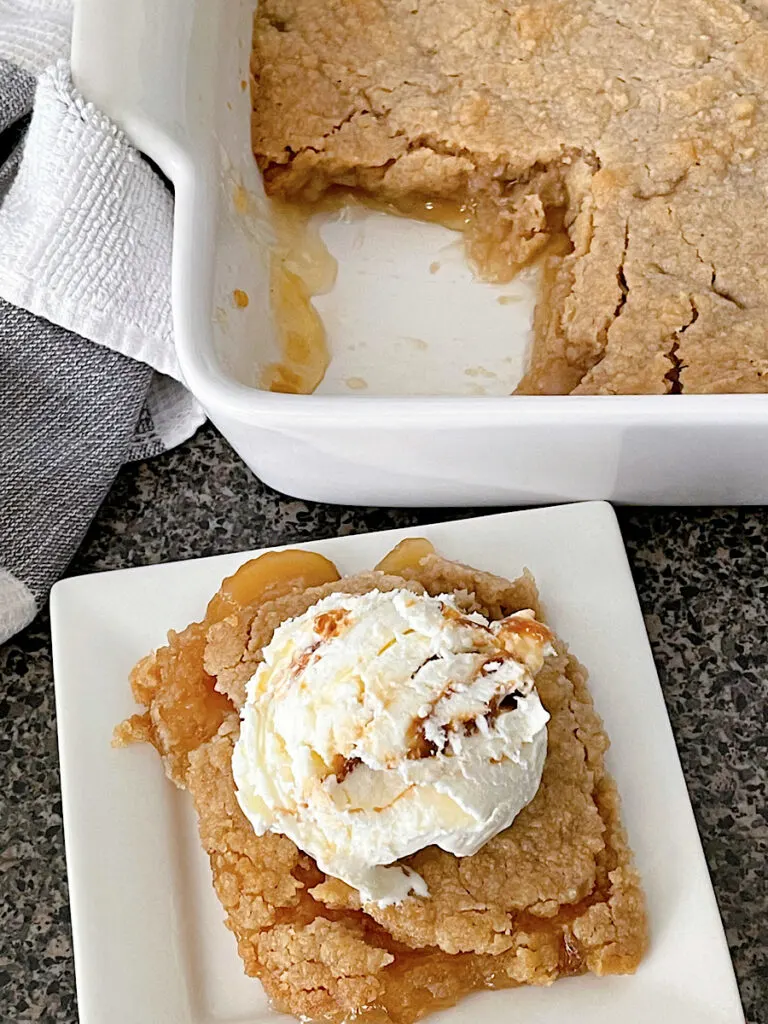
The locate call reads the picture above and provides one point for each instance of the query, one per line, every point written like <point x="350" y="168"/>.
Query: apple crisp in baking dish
<point x="623" y="143"/>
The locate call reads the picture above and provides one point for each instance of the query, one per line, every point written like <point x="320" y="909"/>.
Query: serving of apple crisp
<point x="552" y="894"/>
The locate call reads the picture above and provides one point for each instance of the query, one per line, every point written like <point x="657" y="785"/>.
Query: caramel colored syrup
<point x="302" y="267"/>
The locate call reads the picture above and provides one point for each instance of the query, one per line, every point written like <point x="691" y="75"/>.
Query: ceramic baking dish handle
<point x="131" y="59"/>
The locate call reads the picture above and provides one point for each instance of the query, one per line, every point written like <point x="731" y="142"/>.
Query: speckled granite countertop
<point x="703" y="582"/>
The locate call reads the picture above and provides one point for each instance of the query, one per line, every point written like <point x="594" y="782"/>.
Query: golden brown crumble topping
<point x="632" y="132"/>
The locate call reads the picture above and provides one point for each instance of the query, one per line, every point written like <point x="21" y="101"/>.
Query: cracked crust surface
<point x="637" y="127"/>
<point x="555" y="894"/>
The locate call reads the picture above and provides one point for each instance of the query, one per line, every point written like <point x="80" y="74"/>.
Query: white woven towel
<point x="34" y="33"/>
<point x="85" y="239"/>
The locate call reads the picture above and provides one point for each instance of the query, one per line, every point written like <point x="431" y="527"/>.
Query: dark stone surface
<point x="703" y="584"/>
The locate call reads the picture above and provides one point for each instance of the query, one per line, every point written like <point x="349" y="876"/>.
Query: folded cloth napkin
<point x="88" y="372"/>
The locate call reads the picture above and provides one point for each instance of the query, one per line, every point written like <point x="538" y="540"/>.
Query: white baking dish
<point x="171" y="73"/>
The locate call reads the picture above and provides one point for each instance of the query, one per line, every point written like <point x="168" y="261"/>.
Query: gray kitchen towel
<point x="81" y="214"/>
<point x="68" y="416"/>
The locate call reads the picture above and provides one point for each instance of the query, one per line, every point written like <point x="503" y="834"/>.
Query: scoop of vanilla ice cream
<point x="383" y="723"/>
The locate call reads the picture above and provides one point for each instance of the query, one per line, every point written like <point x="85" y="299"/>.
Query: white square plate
<point x="150" y="945"/>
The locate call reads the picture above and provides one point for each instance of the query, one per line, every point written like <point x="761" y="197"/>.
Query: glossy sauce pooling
<point x="302" y="267"/>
